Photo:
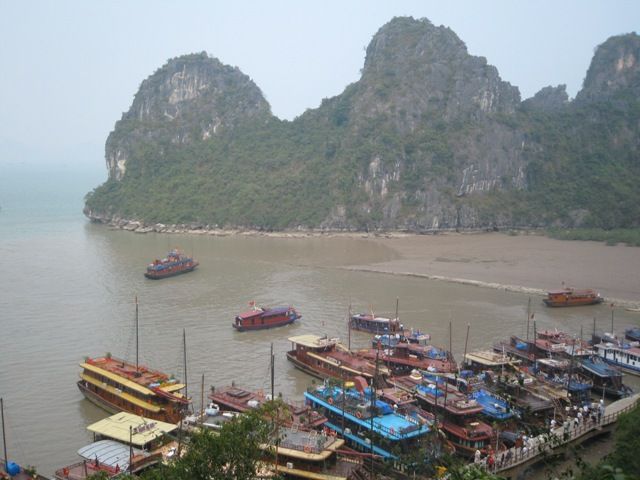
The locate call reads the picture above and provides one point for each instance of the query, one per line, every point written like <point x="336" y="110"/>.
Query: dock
<point x="512" y="462"/>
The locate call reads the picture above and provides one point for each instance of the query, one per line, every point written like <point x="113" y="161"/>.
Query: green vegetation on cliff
<point x="430" y="137"/>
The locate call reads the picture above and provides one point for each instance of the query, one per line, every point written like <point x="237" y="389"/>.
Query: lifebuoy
<point x="330" y="400"/>
<point x="307" y="449"/>
<point x="65" y="471"/>
<point x="359" y="414"/>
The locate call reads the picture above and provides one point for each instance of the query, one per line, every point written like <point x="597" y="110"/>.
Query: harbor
<point x="90" y="313"/>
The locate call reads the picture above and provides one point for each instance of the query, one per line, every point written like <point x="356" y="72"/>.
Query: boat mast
<point x="137" y="364"/>
<point x="4" y="438"/>
<point x="397" y="302"/>
<point x="202" y="400"/>
<point x="612" y="334"/>
<point x="349" y="328"/>
<point x="528" y="314"/>
<point x="466" y="341"/>
<point x="184" y="351"/>
<point x="272" y="369"/>
<point x="374" y="384"/>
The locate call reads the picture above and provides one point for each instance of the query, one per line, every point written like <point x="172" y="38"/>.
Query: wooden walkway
<point x="509" y="462"/>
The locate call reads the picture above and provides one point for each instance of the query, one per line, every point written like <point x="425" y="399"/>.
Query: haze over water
<point x="68" y="290"/>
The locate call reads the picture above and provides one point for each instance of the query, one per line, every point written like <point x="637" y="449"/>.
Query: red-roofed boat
<point x="264" y="317"/>
<point x="175" y="263"/>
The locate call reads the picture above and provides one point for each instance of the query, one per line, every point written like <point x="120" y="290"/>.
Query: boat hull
<point x="305" y="368"/>
<point x="572" y="303"/>
<point x="160" y="276"/>
<point x="282" y="323"/>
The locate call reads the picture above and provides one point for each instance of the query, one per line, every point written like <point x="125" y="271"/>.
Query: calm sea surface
<point x="67" y="290"/>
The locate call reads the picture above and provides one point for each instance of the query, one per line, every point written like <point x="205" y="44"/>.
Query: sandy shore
<point x="525" y="263"/>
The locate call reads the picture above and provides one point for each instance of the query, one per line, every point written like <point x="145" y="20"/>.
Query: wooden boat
<point x="405" y="357"/>
<point x="238" y="399"/>
<point x="313" y="455"/>
<point x="108" y="458"/>
<point x="259" y="318"/>
<point x="356" y="414"/>
<point x="173" y="264"/>
<point x="412" y="337"/>
<point x="324" y="357"/>
<point x="368" y="322"/>
<point x="570" y="297"/>
<point x="606" y="378"/>
<point x="117" y="385"/>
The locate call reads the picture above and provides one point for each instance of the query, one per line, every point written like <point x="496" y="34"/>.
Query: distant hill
<point x="428" y="138"/>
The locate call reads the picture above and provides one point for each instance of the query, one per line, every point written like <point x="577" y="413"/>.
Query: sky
<point x="71" y="68"/>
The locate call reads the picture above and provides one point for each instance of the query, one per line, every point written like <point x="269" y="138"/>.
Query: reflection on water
<point x="70" y="293"/>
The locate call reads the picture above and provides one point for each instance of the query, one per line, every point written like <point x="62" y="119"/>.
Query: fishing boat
<point x="259" y="318"/>
<point x="367" y="424"/>
<point x="368" y="322"/>
<point x="324" y="357"/>
<point x="118" y="385"/>
<point x="570" y="297"/>
<point x="173" y="264"/>
<point x="520" y="348"/>
<point x="211" y="418"/>
<point x="562" y="380"/>
<point x="606" y="378"/>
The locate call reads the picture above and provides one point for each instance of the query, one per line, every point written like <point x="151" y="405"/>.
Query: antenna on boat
<point x="137" y="364"/>
<point x="184" y="352"/>
<point x="4" y="438"/>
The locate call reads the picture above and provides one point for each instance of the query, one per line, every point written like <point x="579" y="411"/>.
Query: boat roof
<point x="489" y="358"/>
<point x="110" y="453"/>
<point x="313" y="341"/>
<point x="559" y="291"/>
<point x="124" y="426"/>
<point x="140" y="379"/>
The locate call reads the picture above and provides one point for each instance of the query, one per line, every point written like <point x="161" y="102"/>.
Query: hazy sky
<point x="70" y="68"/>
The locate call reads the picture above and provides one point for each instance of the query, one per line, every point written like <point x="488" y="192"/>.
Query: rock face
<point x="548" y="99"/>
<point x="419" y="71"/>
<point x="429" y="138"/>
<point x="193" y="97"/>
<point x="615" y="67"/>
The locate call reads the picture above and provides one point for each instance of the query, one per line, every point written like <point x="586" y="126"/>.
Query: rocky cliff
<point x="429" y="138"/>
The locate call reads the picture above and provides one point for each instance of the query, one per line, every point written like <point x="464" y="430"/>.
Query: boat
<point x="12" y="469"/>
<point x="259" y="318"/>
<point x="570" y="297"/>
<point x="211" y="418"/>
<point x="324" y="357"/>
<point x="108" y="458"/>
<point x="117" y="385"/>
<point x="556" y="343"/>
<point x="520" y="348"/>
<point x="238" y="399"/>
<point x="606" y="378"/>
<point x="623" y="354"/>
<point x="368" y="322"/>
<point x="632" y="334"/>
<point x="405" y="357"/>
<point x="413" y="337"/>
<point x="310" y="454"/>
<point x="173" y="264"/>
<point x="367" y="424"/>
<point x="562" y="380"/>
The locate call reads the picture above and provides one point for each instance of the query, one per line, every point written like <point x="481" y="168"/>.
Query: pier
<point x="513" y="462"/>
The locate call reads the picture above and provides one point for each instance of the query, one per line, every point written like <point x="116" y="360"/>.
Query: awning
<point x="143" y="430"/>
